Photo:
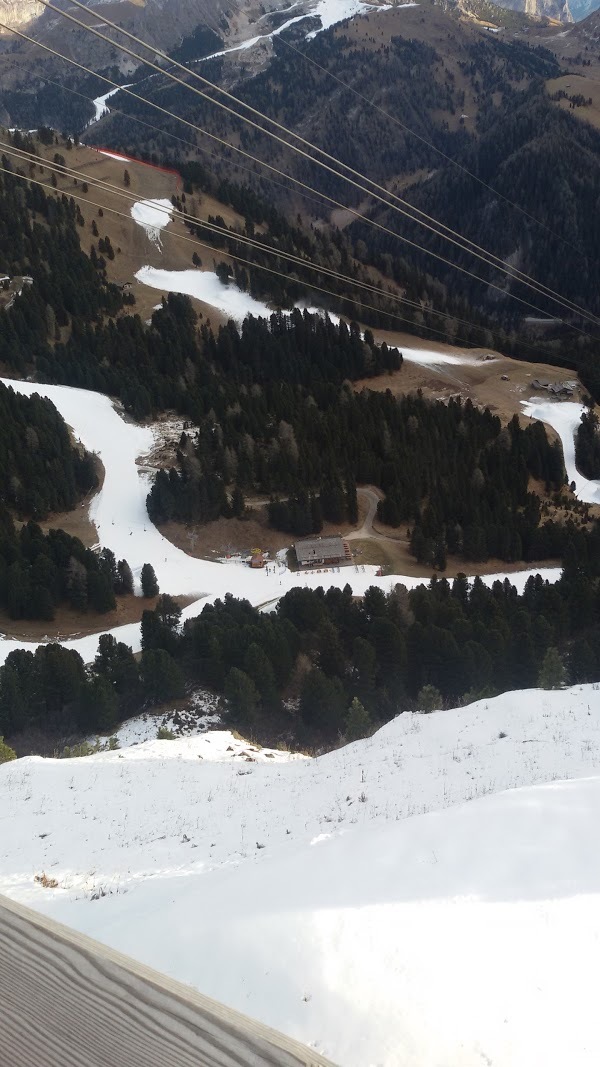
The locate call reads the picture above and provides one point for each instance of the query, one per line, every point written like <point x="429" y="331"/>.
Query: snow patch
<point x="101" y="106"/>
<point x="330" y="12"/>
<point x="564" y="416"/>
<point x="115" y="155"/>
<point x="205" y="285"/>
<point x="230" y="300"/>
<point x="153" y="216"/>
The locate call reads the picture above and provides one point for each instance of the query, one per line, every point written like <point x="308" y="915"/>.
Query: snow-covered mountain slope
<point x="300" y="891"/>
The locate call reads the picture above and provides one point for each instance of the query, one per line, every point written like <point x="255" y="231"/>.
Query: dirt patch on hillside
<point x="225" y="537"/>
<point x="133" y="248"/>
<point x="500" y="384"/>
<point x="578" y="85"/>
<point x="69" y="623"/>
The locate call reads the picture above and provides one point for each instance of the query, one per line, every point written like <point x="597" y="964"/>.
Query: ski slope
<point x="565" y="416"/>
<point x="389" y="903"/>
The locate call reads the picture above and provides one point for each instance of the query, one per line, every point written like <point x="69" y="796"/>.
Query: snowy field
<point x="119" y="513"/>
<point x="376" y="903"/>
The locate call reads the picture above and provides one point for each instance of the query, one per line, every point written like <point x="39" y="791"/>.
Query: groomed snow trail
<point x="119" y="513"/>
<point x="564" y="416"/>
<point x="355" y="901"/>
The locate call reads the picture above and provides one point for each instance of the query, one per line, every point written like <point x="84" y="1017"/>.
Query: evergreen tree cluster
<point x="40" y="469"/>
<point x="464" y="641"/>
<point x="39" y="572"/>
<point x="53" y="692"/>
<point x="347" y="665"/>
<point x="39" y="237"/>
<point x="587" y="445"/>
<point x="449" y="469"/>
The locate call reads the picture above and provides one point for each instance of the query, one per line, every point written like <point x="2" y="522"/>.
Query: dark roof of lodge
<point x="315" y="548"/>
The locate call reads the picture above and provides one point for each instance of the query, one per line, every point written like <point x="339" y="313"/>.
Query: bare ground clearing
<point x="575" y="85"/>
<point x="136" y="248"/>
<point x="480" y="379"/>
<point x="69" y="623"/>
<point x="229" y="536"/>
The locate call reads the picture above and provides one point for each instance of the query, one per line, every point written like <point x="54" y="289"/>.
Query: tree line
<point x="324" y="664"/>
<point x="40" y="572"/>
<point x="587" y="445"/>
<point x="280" y="420"/>
<point x="41" y="471"/>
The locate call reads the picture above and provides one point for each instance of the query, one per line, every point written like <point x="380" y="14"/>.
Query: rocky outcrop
<point x="20" y="13"/>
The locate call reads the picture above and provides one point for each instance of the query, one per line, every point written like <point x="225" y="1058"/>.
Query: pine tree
<point x="161" y="677"/>
<point x="98" y="705"/>
<point x="6" y="753"/>
<point x="552" y="672"/>
<point x="124" y="583"/>
<point x="241" y="694"/>
<point x="429" y="699"/>
<point x="238" y="504"/>
<point x="358" y="721"/>
<point x="149" y="581"/>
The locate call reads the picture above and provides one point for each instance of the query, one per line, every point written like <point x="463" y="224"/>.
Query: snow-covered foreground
<point x="230" y="300"/>
<point x="119" y="513"/>
<point x="301" y="893"/>
<point x="564" y="416"/>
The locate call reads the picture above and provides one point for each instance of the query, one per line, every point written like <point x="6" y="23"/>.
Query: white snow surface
<point x="333" y="11"/>
<point x="119" y="513"/>
<point x="206" y="286"/>
<point x="115" y="155"/>
<point x="375" y="902"/>
<point x="153" y="216"/>
<point x="564" y="416"/>
<point x="101" y="105"/>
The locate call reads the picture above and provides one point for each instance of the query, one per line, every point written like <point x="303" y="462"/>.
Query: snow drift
<point x="303" y="892"/>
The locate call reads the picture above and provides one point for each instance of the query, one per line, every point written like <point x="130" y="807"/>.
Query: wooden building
<point x="320" y="551"/>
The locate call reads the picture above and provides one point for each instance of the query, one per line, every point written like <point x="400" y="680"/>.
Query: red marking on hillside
<point x="111" y="153"/>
